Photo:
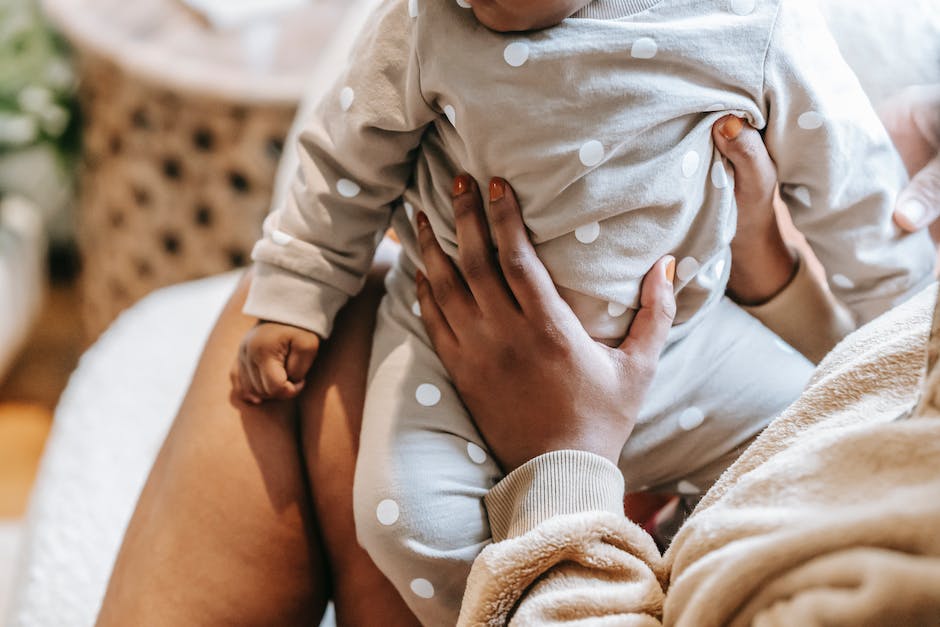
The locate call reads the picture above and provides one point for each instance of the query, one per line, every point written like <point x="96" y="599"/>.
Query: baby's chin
<point x="501" y="22"/>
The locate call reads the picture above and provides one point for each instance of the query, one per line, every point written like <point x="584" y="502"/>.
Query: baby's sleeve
<point x="356" y="156"/>
<point x="839" y="172"/>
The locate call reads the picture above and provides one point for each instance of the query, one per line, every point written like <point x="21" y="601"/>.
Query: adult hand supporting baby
<point x="530" y="375"/>
<point x="913" y="121"/>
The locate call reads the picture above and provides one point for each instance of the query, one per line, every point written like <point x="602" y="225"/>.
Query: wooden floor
<point x="30" y="392"/>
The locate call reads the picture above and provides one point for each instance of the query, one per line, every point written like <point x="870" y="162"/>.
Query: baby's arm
<point x="839" y="172"/>
<point x="356" y="157"/>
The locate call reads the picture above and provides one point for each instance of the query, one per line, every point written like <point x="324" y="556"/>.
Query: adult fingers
<point x="475" y="248"/>
<point x="523" y="270"/>
<point x="919" y="204"/>
<point x="755" y="175"/>
<point x="449" y="290"/>
<point x="650" y="327"/>
<point x="435" y="323"/>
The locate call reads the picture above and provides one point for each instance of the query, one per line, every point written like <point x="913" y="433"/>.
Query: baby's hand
<point x="272" y="362"/>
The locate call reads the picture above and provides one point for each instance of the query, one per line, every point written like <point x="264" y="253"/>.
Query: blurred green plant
<point x="39" y="130"/>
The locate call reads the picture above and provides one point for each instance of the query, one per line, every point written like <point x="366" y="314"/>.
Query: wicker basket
<point x="183" y="126"/>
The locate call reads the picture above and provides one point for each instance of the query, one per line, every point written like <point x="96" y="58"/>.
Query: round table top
<point x="262" y="52"/>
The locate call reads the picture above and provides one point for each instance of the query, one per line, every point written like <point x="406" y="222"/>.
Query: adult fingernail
<point x="911" y="212"/>
<point x="497" y="189"/>
<point x="422" y="220"/>
<point x="730" y="128"/>
<point x="671" y="270"/>
<point x="461" y="183"/>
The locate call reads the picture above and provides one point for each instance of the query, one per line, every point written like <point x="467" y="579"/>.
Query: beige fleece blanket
<point x="832" y="517"/>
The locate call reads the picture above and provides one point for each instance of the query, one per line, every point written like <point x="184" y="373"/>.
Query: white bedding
<point x="122" y="398"/>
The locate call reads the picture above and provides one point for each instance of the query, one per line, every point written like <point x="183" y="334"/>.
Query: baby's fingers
<point x="242" y="383"/>
<point x="274" y="382"/>
<point x="303" y="350"/>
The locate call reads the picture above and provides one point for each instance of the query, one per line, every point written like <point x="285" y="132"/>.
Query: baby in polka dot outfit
<point x="600" y="115"/>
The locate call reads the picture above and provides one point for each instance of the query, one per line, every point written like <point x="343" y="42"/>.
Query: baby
<point x="599" y="114"/>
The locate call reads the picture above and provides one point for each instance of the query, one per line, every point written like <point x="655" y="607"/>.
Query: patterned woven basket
<point x="183" y="127"/>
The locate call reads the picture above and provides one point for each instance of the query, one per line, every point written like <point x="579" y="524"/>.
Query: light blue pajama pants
<point x="423" y="468"/>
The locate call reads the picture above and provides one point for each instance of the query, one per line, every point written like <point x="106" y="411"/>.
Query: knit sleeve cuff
<point x="282" y="296"/>
<point x="806" y="315"/>
<point x="554" y="484"/>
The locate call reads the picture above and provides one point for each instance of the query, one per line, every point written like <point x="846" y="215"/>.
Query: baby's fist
<point x="273" y="361"/>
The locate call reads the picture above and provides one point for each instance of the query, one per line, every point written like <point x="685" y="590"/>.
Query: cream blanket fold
<point x="832" y="517"/>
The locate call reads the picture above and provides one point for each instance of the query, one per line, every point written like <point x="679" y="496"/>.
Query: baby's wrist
<point x="760" y="275"/>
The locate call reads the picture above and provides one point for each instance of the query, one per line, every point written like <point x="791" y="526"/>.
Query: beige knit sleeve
<point x="839" y="172"/>
<point x="805" y="315"/>
<point x="357" y="155"/>
<point x="563" y="551"/>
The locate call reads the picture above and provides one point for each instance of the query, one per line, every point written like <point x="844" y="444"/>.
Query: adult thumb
<point x="652" y="322"/>
<point x="919" y="204"/>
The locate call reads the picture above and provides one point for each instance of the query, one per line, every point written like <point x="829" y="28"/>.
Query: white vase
<point x="22" y="275"/>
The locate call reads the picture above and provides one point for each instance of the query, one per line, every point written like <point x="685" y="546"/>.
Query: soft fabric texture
<point x="79" y="509"/>
<point x="829" y="518"/>
<point x="430" y="93"/>
<point x="423" y="468"/>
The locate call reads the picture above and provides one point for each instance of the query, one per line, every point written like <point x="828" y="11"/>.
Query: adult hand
<point x="913" y="121"/>
<point x="528" y="372"/>
<point x="761" y="262"/>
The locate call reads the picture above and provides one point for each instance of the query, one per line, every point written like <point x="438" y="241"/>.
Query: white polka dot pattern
<point x="690" y="163"/>
<point x="644" y="48"/>
<point x="346" y="97"/>
<point x="688" y="488"/>
<point x="387" y="512"/>
<point x="428" y="395"/>
<point x="591" y="153"/>
<point x="422" y="588"/>
<point x="281" y="238"/>
<point x="416" y="308"/>
<point x="810" y="121"/>
<point x="347" y="188"/>
<point x="687" y="268"/>
<point x="476" y="454"/>
<point x="615" y="310"/>
<point x="842" y="281"/>
<point x="691" y="418"/>
<point x="588" y="233"/>
<point x="802" y="194"/>
<point x="743" y="7"/>
<point x="451" y="114"/>
<point x="516" y="53"/>
<point x="719" y="175"/>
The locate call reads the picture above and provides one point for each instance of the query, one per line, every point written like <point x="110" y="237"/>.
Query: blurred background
<point x="138" y="148"/>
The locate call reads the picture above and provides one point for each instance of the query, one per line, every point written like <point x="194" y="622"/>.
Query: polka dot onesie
<point x="603" y="126"/>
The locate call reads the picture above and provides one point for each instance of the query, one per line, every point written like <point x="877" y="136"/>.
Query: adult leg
<point x="331" y="410"/>
<point x="222" y="533"/>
